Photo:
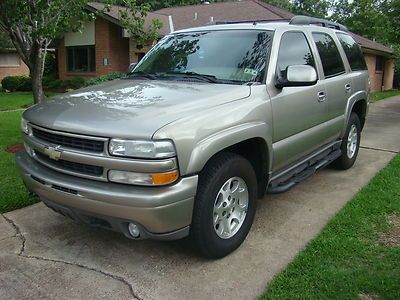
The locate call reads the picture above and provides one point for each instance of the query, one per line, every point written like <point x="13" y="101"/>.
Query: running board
<point x="286" y="182"/>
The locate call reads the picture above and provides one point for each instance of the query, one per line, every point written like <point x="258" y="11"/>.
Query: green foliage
<point x="58" y="85"/>
<point x="15" y="100"/>
<point x="17" y="83"/>
<point x="375" y="19"/>
<point x="377" y="96"/>
<point x="104" y="78"/>
<point x="13" y="193"/>
<point x="50" y="65"/>
<point x="133" y="19"/>
<point x="315" y="8"/>
<point x="285" y="4"/>
<point x="5" y="41"/>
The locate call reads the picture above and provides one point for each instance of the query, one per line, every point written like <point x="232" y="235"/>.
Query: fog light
<point x="134" y="230"/>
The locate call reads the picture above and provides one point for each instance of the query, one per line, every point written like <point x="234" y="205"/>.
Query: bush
<point x="17" y="83"/>
<point x="58" y="85"/>
<point x="104" y="78"/>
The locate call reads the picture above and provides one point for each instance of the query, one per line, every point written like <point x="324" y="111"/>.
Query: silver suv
<point x="210" y="120"/>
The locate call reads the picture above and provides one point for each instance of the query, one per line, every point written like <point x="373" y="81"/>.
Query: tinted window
<point x="330" y="57"/>
<point x="353" y="52"/>
<point x="294" y="50"/>
<point x="230" y="55"/>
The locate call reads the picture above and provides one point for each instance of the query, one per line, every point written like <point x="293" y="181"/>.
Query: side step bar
<point x="285" y="182"/>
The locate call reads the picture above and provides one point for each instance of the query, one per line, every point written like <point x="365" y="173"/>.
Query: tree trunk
<point x="36" y="73"/>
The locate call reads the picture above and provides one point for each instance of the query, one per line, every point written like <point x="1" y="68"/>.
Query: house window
<point x="9" y="60"/>
<point x="379" y="64"/>
<point x="81" y="59"/>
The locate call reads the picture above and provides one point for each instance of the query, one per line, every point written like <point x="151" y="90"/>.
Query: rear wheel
<point x="225" y="205"/>
<point x="350" y="144"/>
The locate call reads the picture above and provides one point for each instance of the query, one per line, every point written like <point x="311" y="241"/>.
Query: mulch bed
<point x="14" y="148"/>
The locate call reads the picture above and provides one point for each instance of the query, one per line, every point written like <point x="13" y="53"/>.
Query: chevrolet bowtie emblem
<point x="52" y="152"/>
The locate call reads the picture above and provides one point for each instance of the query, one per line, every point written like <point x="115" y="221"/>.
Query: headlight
<point x="24" y="126"/>
<point x="142" y="149"/>
<point x="142" y="178"/>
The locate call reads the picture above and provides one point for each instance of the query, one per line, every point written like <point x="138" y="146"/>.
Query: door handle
<point x="347" y="88"/>
<point x="321" y="96"/>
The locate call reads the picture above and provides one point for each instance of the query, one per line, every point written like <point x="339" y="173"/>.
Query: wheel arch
<point x="257" y="152"/>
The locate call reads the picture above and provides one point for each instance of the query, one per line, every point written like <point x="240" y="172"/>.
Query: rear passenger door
<point x="338" y="85"/>
<point x="299" y="112"/>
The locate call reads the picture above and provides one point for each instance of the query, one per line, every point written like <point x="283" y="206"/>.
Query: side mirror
<point x="298" y="75"/>
<point x="131" y="67"/>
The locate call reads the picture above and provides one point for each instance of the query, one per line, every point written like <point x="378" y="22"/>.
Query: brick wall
<point x="389" y="74"/>
<point x="109" y="45"/>
<point x="376" y="77"/>
<point x="13" y="71"/>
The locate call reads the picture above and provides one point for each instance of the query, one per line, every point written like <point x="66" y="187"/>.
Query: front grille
<point x="68" y="141"/>
<point x="71" y="166"/>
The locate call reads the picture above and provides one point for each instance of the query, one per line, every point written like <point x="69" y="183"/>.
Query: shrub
<point x="58" y="85"/>
<point x="104" y="78"/>
<point x="17" y="83"/>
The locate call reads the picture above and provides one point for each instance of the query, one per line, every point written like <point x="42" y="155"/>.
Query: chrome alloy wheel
<point x="230" y="207"/>
<point x="352" y="141"/>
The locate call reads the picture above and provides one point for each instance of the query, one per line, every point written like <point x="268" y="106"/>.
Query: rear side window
<point x="293" y="50"/>
<point x="329" y="53"/>
<point x="353" y="52"/>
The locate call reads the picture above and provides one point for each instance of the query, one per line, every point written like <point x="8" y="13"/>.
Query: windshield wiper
<point x="204" y="77"/>
<point x="142" y="74"/>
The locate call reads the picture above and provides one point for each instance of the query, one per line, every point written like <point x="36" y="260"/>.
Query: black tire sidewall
<point x="345" y="162"/>
<point x="214" y="246"/>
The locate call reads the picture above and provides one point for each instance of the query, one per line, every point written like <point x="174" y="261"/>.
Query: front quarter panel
<point x="200" y="136"/>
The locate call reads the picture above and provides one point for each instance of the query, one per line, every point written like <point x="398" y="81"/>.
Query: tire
<point x="230" y="172"/>
<point x="349" y="147"/>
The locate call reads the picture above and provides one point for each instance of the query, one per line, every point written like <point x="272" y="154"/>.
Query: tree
<point x="133" y="19"/>
<point x="33" y="24"/>
<point x="314" y="8"/>
<point x="5" y="42"/>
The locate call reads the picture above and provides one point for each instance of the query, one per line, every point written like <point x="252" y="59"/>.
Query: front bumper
<point x="160" y="212"/>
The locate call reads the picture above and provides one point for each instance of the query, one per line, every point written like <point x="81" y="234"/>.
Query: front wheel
<point x="225" y="205"/>
<point x="350" y="144"/>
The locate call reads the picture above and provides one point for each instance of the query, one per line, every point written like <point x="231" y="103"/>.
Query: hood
<point x="130" y="108"/>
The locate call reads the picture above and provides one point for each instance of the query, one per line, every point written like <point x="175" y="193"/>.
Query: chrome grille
<point x="68" y="141"/>
<point x="71" y="166"/>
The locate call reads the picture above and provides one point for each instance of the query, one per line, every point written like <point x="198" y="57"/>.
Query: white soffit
<point x="87" y="37"/>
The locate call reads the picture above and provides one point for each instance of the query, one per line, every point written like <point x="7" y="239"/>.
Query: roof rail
<point x="251" y="21"/>
<point x="305" y="20"/>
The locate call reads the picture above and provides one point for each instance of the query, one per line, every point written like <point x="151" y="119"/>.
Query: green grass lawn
<point x="16" y="100"/>
<point x="348" y="257"/>
<point x="376" y="96"/>
<point x="13" y="194"/>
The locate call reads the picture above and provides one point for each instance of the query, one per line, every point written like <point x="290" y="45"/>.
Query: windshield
<point x="226" y="56"/>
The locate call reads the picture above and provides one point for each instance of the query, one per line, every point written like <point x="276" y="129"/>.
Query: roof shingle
<point x="207" y="14"/>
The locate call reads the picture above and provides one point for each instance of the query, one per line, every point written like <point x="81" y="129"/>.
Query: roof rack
<point x="251" y="21"/>
<point x="305" y="20"/>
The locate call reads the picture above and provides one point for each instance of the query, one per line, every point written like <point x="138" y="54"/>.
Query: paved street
<point x="43" y="254"/>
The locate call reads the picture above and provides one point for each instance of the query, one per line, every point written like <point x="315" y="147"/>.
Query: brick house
<point x="102" y="47"/>
<point x="11" y="64"/>
<point x="105" y="47"/>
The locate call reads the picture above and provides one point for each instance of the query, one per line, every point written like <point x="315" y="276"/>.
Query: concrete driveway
<point x="46" y="255"/>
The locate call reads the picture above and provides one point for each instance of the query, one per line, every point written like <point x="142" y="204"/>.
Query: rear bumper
<point x="160" y="212"/>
